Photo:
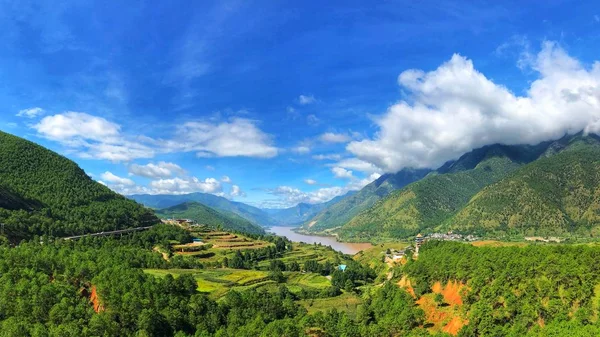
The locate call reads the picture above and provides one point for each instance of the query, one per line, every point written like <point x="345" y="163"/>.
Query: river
<point x="344" y="247"/>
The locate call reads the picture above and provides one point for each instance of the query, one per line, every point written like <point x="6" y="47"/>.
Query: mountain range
<point x="253" y="214"/>
<point x="547" y="189"/>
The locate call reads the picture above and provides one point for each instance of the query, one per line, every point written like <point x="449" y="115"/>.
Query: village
<point x="395" y="255"/>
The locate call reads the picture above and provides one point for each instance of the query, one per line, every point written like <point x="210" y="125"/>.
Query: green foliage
<point x="558" y="195"/>
<point x="42" y="192"/>
<point x="511" y="289"/>
<point x="340" y="212"/>
<point x="207" y="216"/>
<point x="546" y="189"/>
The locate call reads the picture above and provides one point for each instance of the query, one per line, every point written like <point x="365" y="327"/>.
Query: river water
<point x="344" y="247"/>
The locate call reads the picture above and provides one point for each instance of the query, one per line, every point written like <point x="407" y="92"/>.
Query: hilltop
<point x="208" y="216"/>
<point x="555" y="195"/>
<point x="250" y="213"/>
<point x="42" y="192"/>
<point x="343" y="210"/>
<point x="431" y="203"/>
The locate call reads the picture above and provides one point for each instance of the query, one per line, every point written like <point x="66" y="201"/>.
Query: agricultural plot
<point x="347" y="302"/>
<point x="217" y="282"/>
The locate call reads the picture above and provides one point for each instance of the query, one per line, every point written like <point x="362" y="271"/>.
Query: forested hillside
<point x="250" y="213"/>
<point x="207" y="216"/>
<point x="551" y="290"/>
<point x="552" y="196"/>
<point x="340" y="212"/>
<point x="42" y="192"/>
<point x="431" y="202"/>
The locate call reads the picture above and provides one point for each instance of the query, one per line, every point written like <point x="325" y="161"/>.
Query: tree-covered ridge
<point x="42" y="192"/>
<point x="207" y="216"/>
<point x="431" y="203"/>
<point x="552" y="196"/>
<point x="428" y="202"/>
<point x="538" y="290"/>
<point x="342" y="211"/>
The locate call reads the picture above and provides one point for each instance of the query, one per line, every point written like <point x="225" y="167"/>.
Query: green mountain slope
<point x="205" y="215"/>
<point x="250" y="213"/>
<point x="340" y="212"/>
<point x="433" y="200"/>
<point x="42" y="192"/>
<point x="552" y="196"/>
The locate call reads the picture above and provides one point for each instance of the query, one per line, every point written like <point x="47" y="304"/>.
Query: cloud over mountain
<point x="455" y="109"/>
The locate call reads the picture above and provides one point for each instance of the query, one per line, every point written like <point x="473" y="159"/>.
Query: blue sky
<point x="273" y="103"/>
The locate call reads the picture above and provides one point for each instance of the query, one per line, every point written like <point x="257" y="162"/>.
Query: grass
<point x="217" y="282"/>
<point x="347" y="302"/>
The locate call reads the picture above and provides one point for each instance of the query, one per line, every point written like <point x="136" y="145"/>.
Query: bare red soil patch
<point x="405" y="284"/>
<point x="451" y="292"/>
<point x="454" y="326"/>
<point x="96" y="301"/>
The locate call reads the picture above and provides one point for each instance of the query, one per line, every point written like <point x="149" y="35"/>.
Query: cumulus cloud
<point x="341" y="172"/>
<point x="293" y="196"/>
<point x="185" y="185"/>
<point x="310" y="181"/>
<point x="91" y="137"/>
<point x="290" y="196"/>
<point x="225" y="179"/>
<point x="154" y="171"/>
<point x="330" y="137"/>
<point x="110" y="178"/>
<point x="306" y="99"/>
<point x="236" y="191"/>
<point x="30" y="113"/>
<point x="238" y="137"/>
<point x="95" y="137"/>
<point x="358" y="165"/>
<point x="455" y="109"/>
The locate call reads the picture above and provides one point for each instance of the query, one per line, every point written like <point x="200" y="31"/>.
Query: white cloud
<point x="455" y="109"/>
<point x="327" y="157"/>
<point x="237" y="137"/>
<point x="358" y="165"/>
<point x="110" y="178"/>
<point x="94" y="137"/>
<point x="301" y="149"/>
<point x="154" y="171"/>
<point x="225" y="179"/>
<point x="31" y="112"/>
<point x="310" y="181"/>
<point x="341" y="173"/>
<point x="312" y="120"/>
<point x="209" y="168"/>
<point x="306" y="99"/>
<point x="292" y="196"/>
<point x="91" y="137"/>
<point x="236" y="191"/>
<point x="188" y="185"/>
<point x="330" y="137"/>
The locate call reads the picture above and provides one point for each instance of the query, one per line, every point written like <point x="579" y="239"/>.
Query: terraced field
<point x="217" y="282"/>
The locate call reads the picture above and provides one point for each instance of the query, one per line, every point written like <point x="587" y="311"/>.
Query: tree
<point x="348" y="286"/>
